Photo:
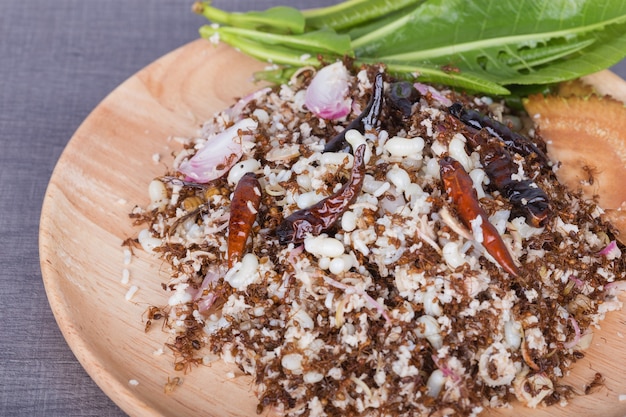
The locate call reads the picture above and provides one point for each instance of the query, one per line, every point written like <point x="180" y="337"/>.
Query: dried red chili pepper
<point x="368" y="118"/>
<point x="243" y="212"/>
<point x="528" y="199"/>
<point x="324" y="214"/>
<point x="518" y="143"/>
<point x="460" y="188"/>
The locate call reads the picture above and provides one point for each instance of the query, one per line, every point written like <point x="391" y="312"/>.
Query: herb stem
<point x="213" y="14"/>
<point x="274" y="54"/>
<point x="280" y="19"/>
<point x="426" y="73"/>
<point x="323" y="40"/>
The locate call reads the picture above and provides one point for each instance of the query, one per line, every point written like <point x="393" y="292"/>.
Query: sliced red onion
<point x="350" y="289"/>
<point x="212" y="276"/>
<point x="611" y="251"/>
<point x="577" y="281"/>
<point x="421" y="88"/>
<point x="447" y="372"/>
<point x="425" y="89"/>
<point x="615" y="286"/>
<point x="234" y="111"/>
<point x="576" y="338"/>
<point x="219" y="153"/>
<point x="205" y="301"/>
<point x="293" y="255"/>
<point x="326" y="96"/>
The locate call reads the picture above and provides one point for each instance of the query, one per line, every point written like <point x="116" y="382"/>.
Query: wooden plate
<point x="105" y="171"/>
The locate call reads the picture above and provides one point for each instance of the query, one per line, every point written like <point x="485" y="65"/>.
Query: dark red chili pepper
<point x="460" y="188"/>
<point x="518" y="143"/>
<point x="324" y="214"/>
<point x="243" y="212"/>
<point x="368" y="118"/>
<point x="527" y="198"/>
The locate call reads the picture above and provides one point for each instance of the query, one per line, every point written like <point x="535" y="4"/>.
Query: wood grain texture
<point x="105" y="171"/>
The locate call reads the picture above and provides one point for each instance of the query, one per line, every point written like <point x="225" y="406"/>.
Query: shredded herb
<point x="493" y="46"/>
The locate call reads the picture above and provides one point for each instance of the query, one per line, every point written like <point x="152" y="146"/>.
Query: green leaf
<point x="490" y="44"/>
<point x="280" y="75"/>
<point x="323" y="40"/>
<point x="440" y="28"/>
<point x="280" y="19"/>
<point x="504" y="41"/>
<point x="375" y="24"/>
<point x="351" y="13"/>
<point x="529" y="58"/>
<point x="429" y="74"/>
<point x="274" y="54"/>
<point x="607" y="50"/>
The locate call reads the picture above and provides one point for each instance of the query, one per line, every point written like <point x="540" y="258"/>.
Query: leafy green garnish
<point x="486" y="46"/>
<point x="281" y="19"/>
<point x="353" y="13"/>
<point x="323" y="40"/>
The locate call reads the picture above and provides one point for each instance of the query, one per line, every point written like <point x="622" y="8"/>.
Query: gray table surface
<point x="58" y="59"/>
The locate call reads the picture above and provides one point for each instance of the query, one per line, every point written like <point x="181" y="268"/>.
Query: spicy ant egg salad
<point x="361" y="245"/>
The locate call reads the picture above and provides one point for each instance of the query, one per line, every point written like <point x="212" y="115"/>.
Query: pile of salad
<point x="373" y="234"/>
<point x="365" y="245"/>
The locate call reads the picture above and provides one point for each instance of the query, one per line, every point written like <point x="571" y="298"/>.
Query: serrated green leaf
<point x="608" y="50"/>
<point x="491" y="39"/>
<point x="375" y="24"/>
<point x="533" y="57"/>
<point x="428" y="74"/>
<point x="444" y="27"/>
<point x="491" y="44"/>
<point x="351" y="13"/>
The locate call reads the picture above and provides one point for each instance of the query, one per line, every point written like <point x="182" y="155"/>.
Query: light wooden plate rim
<point x="85" y="219"/>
